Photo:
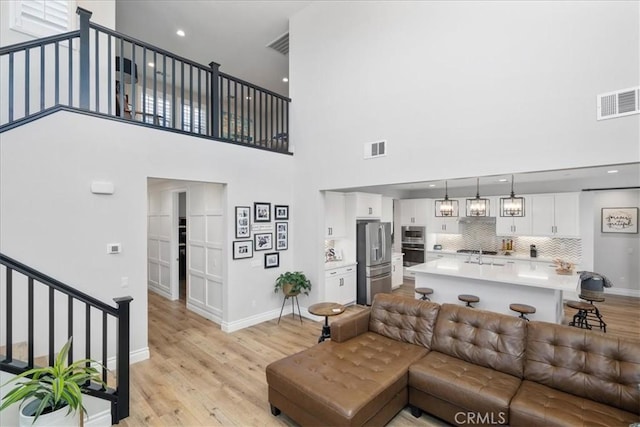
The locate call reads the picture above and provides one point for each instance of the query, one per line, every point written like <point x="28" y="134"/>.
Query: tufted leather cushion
<point x="403" y="319"/>
<point x="484" y="338"/>
<point x="578" y="361"/>
<point x="345" y="383"/>
<point x="465" y="385"/>
<point x="539" y="405"/>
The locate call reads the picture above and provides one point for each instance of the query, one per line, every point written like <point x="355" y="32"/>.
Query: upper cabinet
<point x="414" y="211"/>
<point x="516" y="225"/>
<point x="366" y="205"/>
<point x="334" y="214"/>
<point x="555" y="215"/>
<point x="443" y="224"/>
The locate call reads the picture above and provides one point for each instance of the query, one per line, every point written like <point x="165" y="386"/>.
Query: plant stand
<point x="293" y="311"/>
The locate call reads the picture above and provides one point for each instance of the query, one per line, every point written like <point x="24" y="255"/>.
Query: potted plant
<point x="51" y="395"/>
<point x="292" y="283"/>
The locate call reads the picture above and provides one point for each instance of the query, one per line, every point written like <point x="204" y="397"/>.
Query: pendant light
<point x="477" y="206"/>
<point x="446" y="207"/>
<point x="512" y="206"/>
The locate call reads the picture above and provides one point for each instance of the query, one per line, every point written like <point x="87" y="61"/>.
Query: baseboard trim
<point x="135" y="356"/>
<point x="160" y="292"/>
<point x="264" y="317"/>
<point x="622" y="291"/>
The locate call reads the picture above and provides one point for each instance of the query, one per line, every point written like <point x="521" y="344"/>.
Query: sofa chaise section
<point x="360" y="376"/>
<point x="474" y="369"/>
<point x="575" y="377"/>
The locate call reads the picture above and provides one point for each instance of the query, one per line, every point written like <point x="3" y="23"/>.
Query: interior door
<point x="204" y="249"/>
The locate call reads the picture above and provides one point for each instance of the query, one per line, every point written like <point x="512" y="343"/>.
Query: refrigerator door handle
<point x="383" y="239"/>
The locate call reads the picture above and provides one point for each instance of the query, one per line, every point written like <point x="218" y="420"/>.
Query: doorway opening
<point x="182" y="246"/>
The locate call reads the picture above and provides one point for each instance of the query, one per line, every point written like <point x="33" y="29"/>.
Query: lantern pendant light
<point x="512" y="205"/>
<point x="446" y="207"/>
<point x="477" y="206"/>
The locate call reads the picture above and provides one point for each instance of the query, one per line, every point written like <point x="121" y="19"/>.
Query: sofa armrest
<point x="350" y="327"/>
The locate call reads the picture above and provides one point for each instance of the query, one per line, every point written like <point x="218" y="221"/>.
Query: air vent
<point x="375" y="149"/>
<point x="281" y="44"/>
<point x="619" y="103"/>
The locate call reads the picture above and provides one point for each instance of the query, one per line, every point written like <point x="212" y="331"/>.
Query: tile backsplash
<point x="480" y="234"/>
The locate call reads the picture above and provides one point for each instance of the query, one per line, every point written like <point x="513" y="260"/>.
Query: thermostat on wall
<point x="114" y="248"/>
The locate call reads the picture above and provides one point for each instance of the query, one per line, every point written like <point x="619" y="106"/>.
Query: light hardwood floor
<point x="200" y="376"/>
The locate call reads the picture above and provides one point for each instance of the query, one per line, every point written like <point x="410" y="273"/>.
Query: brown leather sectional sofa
<point x="463" y="365"/>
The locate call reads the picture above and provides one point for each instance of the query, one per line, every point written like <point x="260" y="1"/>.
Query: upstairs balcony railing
<point x="100" y="71"/>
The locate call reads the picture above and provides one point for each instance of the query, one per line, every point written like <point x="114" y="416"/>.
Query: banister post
<point x="215" y="99"/>
<point x="122" y="356"/>
<point x="85" y="86"/>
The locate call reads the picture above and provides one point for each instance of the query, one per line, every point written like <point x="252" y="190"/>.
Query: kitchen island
<point x="498" y="284"/>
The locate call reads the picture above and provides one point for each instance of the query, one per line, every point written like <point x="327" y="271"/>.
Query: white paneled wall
<point x="159" y="242"/>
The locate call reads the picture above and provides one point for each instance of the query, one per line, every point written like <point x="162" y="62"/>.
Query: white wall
<point x="617" y="254"/>
<point x="50" y="220"/>
<point x="458" y="89"/>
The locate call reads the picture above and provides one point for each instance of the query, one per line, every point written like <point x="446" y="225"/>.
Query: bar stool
<point x="468" y="299"/>
<point x="523" y="309"/>
<point x="581" y="318"/>
<point x="591" y="290"/>
<point x="424" y="292"/>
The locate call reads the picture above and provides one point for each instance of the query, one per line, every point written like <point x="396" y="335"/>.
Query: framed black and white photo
<point x="243" y="222"/>
<point x="281" y="212"/>
<point x="264" y="241"/>
<point x="272" y="260"/>
<point x="242" y="249"/>
<point x="620" y="220"/>
<point x="282" y="236"/>
<point x="262" y="212"/>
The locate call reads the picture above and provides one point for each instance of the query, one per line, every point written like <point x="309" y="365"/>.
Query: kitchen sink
<point x="495" y="264"/>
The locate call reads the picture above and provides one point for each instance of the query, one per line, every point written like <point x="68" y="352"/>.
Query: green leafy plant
<point x="54" y="387"/>
<point x="293" y="283"/>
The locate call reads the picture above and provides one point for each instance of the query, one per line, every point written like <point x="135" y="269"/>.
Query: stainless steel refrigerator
<point x="374" y="259"/>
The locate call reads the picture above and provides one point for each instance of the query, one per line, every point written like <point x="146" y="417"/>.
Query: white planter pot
<point x="58" y="418"/>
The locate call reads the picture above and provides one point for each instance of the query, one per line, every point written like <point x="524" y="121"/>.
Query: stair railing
<point x="39" y="286"/>
<point x="101" y="71"/>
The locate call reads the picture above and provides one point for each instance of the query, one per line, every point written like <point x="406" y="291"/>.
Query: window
<point x="199" y="120"/>
<point x="42" y="18"/>
<point x="161" y="115"/>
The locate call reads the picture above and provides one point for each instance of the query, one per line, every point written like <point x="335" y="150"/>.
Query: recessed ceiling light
<point x="285" y="79"/>
<point x="613" y="171"/>
<point x="248" y="98"/>
<point x="432" y="185"/>
<point x="151" y="64"/>
<point x="180" y="33"/>
<point x="502" y="180"/>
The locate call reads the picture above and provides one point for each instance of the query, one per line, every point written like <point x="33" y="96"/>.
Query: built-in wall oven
<point x="413" y="245"/>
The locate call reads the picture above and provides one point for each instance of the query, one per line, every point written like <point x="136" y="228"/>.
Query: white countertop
<point x="513" y="256"/>
<point x="531" y="274"/>
<point x="338" y="264"/>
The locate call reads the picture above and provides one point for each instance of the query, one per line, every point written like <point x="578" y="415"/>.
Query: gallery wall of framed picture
<point x="260" y="233"/>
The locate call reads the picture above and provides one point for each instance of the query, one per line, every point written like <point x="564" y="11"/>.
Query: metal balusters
<point x="10" y="87"/>
<point x="104" y="347"/>
<point x="70" y="76"/>
<point x="9" y="331"/>
<point x="42" y="82"/>
<point x="109" y="78"/>
<point x="97" y="67"/>
<point x="182" y="94"/>
<point x="27" y="83"/>
<point x="143" y="98"/>
<point x="70" y="326"/>
<point x="173" y="99"/>
<point x="30" y="321"/>
<point x="134" y="81"/>
<point x="87" y="322"/>
<point x="52" y="335"/>
<point x="120" y="83"/>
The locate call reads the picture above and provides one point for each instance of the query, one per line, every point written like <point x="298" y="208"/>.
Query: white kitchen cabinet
<point x="396" y="271"/>
<point x="443" y="224"/>
<point x="366" y="205"/>
<point x="555" y="215"/>
<point x="514" y="225"/>
<point x="340" y="285"/>
<point x="414" y="211"/>
<point x="334" y="215"/>
<point x="387" y="210"/>
<point x="408" y="274"/>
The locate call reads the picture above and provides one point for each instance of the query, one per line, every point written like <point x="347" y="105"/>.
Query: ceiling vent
<point x="375" y="149"/>
<point x="619" y="103"/>
<point x="281" y="44"/>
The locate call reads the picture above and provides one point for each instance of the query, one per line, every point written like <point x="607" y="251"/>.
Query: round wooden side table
<point x="326" y="309"/>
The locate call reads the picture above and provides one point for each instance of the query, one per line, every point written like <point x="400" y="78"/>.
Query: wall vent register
<point x="619" y="103"/>
<point x="375" y="149"/>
